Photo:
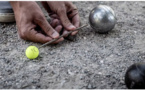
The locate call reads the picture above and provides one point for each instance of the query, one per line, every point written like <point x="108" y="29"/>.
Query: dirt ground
<point x="89" y="61"/>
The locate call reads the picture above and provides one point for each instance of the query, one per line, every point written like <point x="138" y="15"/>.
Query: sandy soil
<point x="89" y="61"/>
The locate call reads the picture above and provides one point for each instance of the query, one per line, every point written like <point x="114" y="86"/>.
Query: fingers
<point x="65" y="20"/>
<point x="29" y="33"/>
<point x="73" y="16"/>
<point x="76" y="23"/>
<point x="74" y="33"/>
<point x="42" y="22"/>
<point x="54" y="22"/>
<point x="65" y="33"/>
<point x="76" y="20"/>
<point x="55" y="16"/>
<point x="58" y="29"/>
<point x="34" y="36"/>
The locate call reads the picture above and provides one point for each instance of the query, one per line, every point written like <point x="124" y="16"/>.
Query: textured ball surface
<point x="102" y="19"/>
<point x="32" y="52"/>
<point x="135" y="76"/>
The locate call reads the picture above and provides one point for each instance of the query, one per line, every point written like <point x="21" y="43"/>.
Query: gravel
<point x="89" y="61"/>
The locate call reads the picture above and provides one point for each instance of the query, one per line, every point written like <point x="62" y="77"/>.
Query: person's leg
<point x="6" y="12"/>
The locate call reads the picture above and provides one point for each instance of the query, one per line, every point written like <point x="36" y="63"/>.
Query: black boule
<point x="135" y="76"/>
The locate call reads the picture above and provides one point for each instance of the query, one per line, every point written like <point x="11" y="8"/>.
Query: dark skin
<point x="28" y="16"/>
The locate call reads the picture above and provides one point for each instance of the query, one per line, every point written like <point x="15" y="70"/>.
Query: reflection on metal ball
<point x="102" y="18"/>
<point x="135" y="76"/>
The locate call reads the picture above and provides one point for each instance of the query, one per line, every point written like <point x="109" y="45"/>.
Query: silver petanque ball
<point x="102" y="19"/>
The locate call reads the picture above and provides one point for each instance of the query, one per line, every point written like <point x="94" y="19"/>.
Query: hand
<point x="66" y="12"/>
<point x="28" y="17"/>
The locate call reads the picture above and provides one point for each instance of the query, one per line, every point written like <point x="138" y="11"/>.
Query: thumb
<point x="65" y="21"/>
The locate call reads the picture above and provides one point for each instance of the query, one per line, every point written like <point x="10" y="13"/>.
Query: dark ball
<point x="135" y="76"/>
